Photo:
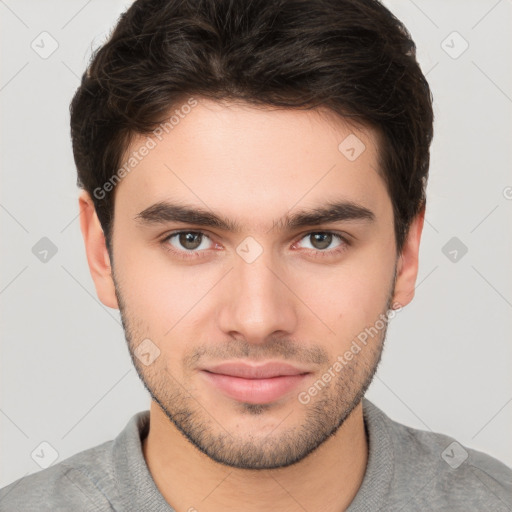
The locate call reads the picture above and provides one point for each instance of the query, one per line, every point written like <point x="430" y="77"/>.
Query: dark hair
<point x="353" y="57"/>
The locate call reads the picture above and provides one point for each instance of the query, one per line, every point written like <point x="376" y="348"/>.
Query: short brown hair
<point x="353" y="57"/>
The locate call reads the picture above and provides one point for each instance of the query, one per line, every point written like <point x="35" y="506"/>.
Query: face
<point x="268" y="256"/>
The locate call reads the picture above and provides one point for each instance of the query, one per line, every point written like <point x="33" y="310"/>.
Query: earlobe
<point x="96" y="251"/>
<point x="407" y="266"/>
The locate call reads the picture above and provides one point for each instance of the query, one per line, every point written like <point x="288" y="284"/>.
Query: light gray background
<point x="66" y="377"/>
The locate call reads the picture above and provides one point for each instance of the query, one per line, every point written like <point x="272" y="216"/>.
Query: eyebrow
<point x="163" y="212"/>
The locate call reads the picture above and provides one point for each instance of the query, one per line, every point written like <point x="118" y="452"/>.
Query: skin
<point x="253" y="166"/>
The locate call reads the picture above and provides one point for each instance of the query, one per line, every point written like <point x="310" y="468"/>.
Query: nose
<point x="258" y="303"/>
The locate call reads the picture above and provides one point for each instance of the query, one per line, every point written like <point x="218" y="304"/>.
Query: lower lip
<point x="254" y="391"/>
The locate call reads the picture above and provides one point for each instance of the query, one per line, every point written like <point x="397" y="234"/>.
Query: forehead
<point x="248" y="161"/>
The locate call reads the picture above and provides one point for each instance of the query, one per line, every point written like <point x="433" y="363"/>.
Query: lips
<point x="257" y="384"/>
<point x="264" y="371"/>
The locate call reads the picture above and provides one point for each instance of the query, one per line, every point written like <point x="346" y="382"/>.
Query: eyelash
<point x="316" y="253"/>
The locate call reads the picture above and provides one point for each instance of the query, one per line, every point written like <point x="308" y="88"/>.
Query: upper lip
<point x="253" y="371"/>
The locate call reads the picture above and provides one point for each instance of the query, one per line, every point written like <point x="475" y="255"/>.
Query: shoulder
<point x="456" y="475"/>
<point x="76" y="483"/>
<point x="433" y="471"/>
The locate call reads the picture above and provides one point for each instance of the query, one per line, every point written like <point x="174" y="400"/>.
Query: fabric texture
<point x="407" y="470"/>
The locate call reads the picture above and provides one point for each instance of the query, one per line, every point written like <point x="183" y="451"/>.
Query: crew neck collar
<point x="138" y="491"/>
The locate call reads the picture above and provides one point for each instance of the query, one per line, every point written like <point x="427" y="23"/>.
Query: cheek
<point x="162" y="296"/>
<point x="351" y="296"/>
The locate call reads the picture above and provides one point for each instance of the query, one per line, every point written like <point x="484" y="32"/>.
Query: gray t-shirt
<point x="407" y="470"/>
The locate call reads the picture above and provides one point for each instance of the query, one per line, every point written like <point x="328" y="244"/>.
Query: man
<point x="253" y="178"/>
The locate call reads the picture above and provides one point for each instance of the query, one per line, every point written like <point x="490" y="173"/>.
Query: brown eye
<point x="321" y="241"/>
<point x="187" y="242"/>
<point x="190" y="240"/>
<point x="323" y="244"/>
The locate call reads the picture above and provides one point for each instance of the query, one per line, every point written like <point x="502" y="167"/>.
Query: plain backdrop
<point x="66" y="376"/>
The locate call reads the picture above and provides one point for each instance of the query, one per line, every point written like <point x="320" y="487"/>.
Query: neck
<point x="328" y="479"/>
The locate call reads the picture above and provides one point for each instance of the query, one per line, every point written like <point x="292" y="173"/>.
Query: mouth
<point x="256" y="384"/>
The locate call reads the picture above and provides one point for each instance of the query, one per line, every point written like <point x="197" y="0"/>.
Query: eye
<point x="321" y="241"/>
<point x="183" y="242"/>
<point x="194" y="244"/>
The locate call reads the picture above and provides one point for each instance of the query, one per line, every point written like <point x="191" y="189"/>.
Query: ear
<point x="407" y="268"/>
<point x="96" y="250"/>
